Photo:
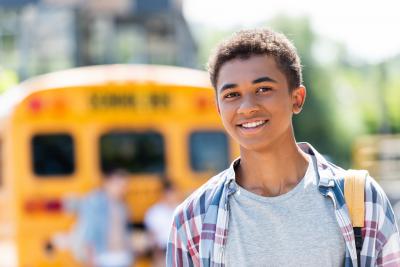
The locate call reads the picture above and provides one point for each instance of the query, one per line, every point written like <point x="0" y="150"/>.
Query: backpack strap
<point x="354" y="184"/>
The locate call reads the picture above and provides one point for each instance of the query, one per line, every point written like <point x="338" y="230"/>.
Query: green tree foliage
<point x="8" y="78"/>
<point x="208" y="39"/>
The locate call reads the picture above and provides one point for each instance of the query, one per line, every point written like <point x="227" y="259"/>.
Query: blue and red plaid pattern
<point x="199" y="232"/>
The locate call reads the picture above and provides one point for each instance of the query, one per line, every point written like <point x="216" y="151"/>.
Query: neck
<point x="273" y="171"/>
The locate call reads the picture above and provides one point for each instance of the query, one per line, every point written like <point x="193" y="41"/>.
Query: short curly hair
<point x="246" y="43"/>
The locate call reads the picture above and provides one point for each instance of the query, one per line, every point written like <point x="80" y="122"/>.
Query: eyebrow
<point x="227" y="86"/>
<point x="264" y="79"/>
<point x="258" y="80"/>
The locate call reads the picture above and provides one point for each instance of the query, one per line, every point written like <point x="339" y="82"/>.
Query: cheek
<point x="225" y="121"/>
<point x="225" y="111"/>
<point x="282" y="105"/>
<point x="226" y="114"/>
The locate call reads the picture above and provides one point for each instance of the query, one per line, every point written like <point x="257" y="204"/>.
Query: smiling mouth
<point x="253" y="125"/>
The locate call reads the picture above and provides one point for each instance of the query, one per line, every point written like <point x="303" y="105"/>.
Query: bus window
<point x="134" y="152"/>
<point x="208" y="151"/>
<point x="53" y="154"/>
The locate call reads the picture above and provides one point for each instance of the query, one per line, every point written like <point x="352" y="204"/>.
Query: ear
<point x="298" y="98"/>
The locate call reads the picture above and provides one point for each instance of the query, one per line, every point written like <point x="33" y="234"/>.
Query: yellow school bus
<point x="59" y="132"/>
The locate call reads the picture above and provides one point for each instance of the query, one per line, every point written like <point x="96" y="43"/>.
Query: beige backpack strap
<point x="354" y="184"/>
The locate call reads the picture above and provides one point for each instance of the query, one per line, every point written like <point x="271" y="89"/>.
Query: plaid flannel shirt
<point x="199" y="231"/>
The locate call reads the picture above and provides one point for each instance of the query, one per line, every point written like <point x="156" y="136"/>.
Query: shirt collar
<point x="325" y="171"/>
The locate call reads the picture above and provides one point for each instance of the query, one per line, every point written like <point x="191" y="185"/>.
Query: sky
<point x="369" y="28"/>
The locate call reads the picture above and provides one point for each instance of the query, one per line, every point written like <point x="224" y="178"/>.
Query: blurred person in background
<point x="100" y="237"/>
<point x="281" y="203"/>
<point x="158" y="220"/>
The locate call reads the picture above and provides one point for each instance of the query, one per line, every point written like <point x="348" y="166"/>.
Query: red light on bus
<point x="53" y="205"/>
<point x="203" y="103"/>
<point x="43" y="205"/>
<point x="35" y="105"/>
<point x="33" y="205"/>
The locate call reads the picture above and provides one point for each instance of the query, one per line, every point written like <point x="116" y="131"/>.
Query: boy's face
<point x="254" y="102"/>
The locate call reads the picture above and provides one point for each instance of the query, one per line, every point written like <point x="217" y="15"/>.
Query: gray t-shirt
<point x="294" y="229"/>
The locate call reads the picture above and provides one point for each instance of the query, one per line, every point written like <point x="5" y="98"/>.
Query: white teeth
<point x="252" y="124"/>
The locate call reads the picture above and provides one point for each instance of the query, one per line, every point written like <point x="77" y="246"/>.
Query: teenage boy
<point x="281" y="203"/>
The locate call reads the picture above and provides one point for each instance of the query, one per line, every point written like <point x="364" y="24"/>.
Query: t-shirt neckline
<point x="296" y="189"/>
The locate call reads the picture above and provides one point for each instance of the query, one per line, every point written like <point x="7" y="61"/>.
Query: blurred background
<point x="350" y="52"/>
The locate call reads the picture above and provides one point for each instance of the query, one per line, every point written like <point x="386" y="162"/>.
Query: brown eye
<point x="264" y="89"/>
<point x="231" y="95"/>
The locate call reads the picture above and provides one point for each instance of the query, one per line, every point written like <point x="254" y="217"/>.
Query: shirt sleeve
<point x="178" y="254"/>
<point x="387" y="240"/>
<point x="390" y="253"/>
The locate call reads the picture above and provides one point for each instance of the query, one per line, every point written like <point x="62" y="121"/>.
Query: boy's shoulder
<point x="372" y="188"/>
<point x="374" y="194"/>
<point x="198" y="202"/>
<point x="375" y="197"/>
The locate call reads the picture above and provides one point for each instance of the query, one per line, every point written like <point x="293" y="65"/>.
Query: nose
<point x="248" y="105"/>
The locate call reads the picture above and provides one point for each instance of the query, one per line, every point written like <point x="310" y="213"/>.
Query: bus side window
<point x="53" y="154"/>
<point x="208" y="151"/>
<point x="135" y="152"/>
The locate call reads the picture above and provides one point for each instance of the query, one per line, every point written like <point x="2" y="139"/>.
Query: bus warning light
<point x="43" y="205"/>
<point x="35" y="105"/>
<point x="203" y="103"/>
